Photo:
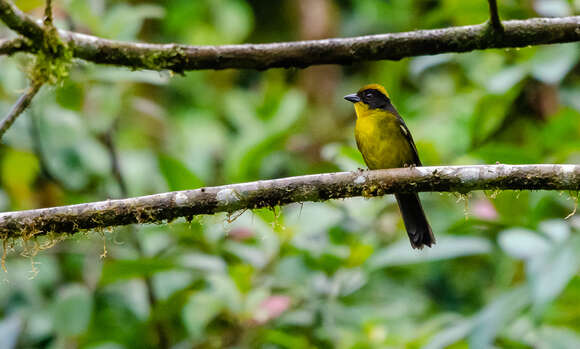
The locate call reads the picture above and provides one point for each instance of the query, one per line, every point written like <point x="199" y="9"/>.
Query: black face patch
<point x="375" y="99"/>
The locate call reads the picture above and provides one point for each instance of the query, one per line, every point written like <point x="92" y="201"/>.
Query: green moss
<point x="161" y="59"/>
<point x="53" y="60"/>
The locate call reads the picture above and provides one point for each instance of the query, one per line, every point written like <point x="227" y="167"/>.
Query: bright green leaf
<point x="177" y="175"/>
<point x="72" y="310"/>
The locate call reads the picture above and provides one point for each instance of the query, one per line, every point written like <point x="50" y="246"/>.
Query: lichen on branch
<point x="165" y="207"/>
<point x="53" y="56"/>
<point x="301" y="54"/>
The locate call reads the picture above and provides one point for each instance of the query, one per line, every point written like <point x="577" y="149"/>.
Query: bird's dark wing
<point x="407" y="134"/>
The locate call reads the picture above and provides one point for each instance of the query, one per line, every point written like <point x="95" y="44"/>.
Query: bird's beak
<point x="352" y="98"/>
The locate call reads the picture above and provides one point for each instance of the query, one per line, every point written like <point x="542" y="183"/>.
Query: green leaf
<point x="10" y="329"/>
<point x="508" y="153"/>
<point x="167" y="283"/>
<point x="550" y="274"/>
<point x="72" y="310"/>
<point x="450" y="335"/>
<point x="505" y="79"/>
<point x="560" y="134"/>
<point x="571" y="97"/>
<point x="557" y="337"/>
<point x="495" y="316"/>
<point x="523" y="244"/>
<point x="202" y="262"/>
<point x="200" y="309"/>
<point x="87" y="13"/>
<point x="245" y="158"/>
<point x="250" y="254"/>
<point x="70" y="95"/>
<point x="233" y="18"/>
<point x="240" y="112"/>
<point x="345" y="157"/>
<point x="17" y="172"/>
<point x="121" y="75"/>
<point x="123" y="22"/>
<point x="551" y="63"/>
<point x="420" y="64"/>
<point x="177" y="175"/>
<point x="72" y="153"/>
<point x="447" y="247"/>
<point x="122" y="269"/>
<point x="490" y="114"/>
<point x="484" y="326"/>
<point x="557" y="230"/>
<point x="552" y="8"/>
<point x="226" y="289"/>
<point x="243" y="275"/>
<point x="286" y="340"/>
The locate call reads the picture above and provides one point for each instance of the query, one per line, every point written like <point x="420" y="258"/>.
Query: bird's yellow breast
<point x="380" y="139"/>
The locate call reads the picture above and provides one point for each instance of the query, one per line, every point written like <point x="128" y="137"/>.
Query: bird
<point x="385" y="141"/>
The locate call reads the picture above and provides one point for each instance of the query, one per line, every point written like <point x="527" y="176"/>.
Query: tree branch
<point x="302" y="54"/>
<point x="20" y="22"/>
<point x="12" y="46"/>
<point x="107" y="138"/>
<point x="494" y="17"/>
<point x="179" y="58"/>
<point x="21" y="104"/>
<point x="269" y="193"/>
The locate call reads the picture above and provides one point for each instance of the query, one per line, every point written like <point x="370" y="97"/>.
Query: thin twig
<point x="230" y="198"/>
<point x="48" y="14"/>
<point x="494" y="16"/>
<point x="108" y="140"/>
<point x="37" y="148"/>
<point x="21" y="104"/>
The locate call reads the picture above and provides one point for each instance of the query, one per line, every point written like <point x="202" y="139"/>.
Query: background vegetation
<point x="338" y="274"/>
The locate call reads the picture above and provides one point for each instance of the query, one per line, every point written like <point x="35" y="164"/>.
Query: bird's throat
<point x="361" y="109"/>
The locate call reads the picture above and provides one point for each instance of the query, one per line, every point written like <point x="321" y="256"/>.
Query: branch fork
<point x="494" y="20"/>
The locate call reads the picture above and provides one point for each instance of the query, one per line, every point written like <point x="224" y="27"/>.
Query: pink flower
<point x="271" y="308"/>
<point x="484" y="209"/>
<point x="241" y="233"/>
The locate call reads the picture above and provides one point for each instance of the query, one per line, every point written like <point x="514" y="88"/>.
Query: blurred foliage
<point x="339" y="274"/>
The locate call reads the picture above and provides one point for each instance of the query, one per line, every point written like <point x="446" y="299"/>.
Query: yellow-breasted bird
<point x="385" y="142"/>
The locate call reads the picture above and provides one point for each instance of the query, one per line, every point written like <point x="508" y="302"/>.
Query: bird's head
<point x="373" y="96"/>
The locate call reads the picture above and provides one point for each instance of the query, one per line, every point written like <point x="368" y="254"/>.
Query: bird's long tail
<point x="416" y="223"/>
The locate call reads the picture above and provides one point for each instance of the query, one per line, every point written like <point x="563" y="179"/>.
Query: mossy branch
<point x="52" y="59"/>
<point x="164" y="207"/>
<point x="12" y="46"/>
<point x="301" y="54"/>
<point x="20" y="22"/>
<point x="179" y="58"/>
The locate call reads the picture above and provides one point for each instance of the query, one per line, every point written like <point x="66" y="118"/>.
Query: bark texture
<point x="269" y="193"/>
<point x="300" y="54"/>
